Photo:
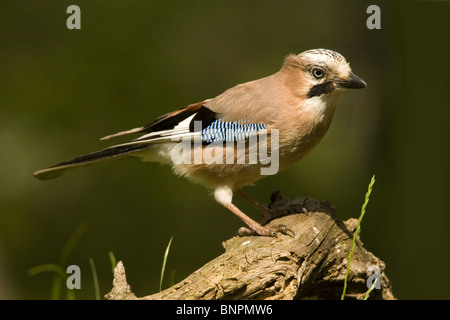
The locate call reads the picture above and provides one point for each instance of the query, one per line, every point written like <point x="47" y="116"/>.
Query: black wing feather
<point x="106" y="154"/>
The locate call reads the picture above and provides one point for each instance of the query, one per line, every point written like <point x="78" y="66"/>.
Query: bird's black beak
<point x="352" y="82"/>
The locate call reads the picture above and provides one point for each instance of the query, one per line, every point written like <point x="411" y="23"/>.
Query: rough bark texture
<point x="313" y="262"/>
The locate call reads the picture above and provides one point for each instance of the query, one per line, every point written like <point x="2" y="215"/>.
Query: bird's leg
<point x="253" y="226"/>
<point x="224" y="196"/>
<point x="267" y="215"/>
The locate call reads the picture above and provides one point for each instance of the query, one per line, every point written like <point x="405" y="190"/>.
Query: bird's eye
<point x="318" y="73"/>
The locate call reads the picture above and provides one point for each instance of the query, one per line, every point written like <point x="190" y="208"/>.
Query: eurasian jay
<point x="228" y="142"/>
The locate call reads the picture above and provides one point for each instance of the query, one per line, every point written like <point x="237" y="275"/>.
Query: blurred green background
<point x="132" y="61"/>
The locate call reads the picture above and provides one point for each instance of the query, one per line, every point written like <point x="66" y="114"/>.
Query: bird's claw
<point x="285" y="230"/>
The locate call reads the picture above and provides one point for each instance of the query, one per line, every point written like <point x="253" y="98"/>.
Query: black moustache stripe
<point x="320" y="89"/>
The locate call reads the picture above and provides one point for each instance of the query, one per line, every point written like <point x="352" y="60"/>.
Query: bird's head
<point x="322" y="71"/>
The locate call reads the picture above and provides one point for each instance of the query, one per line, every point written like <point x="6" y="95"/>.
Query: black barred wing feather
<point x="229" y="131"/>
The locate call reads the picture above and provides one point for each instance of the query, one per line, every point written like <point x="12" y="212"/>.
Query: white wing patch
<point x="179" y="130"/>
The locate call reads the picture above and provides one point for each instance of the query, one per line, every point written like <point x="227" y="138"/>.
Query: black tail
<point x="110" y="153"/>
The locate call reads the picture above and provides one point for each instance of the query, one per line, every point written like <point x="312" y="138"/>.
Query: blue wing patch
<point x="219" y="130"/>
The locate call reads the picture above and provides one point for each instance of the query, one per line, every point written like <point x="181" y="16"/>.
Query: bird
<point x="226" y="142"/>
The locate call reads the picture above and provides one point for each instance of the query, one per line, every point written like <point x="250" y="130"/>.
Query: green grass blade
<point x="58" y="269"/>
<point x="47" y="267"/>
<point x="95" y="279"/>
<point x="366" y="296"/>
<point x="60" y="276"/>
<point x="65" y="253"/>
<point x="166" y="254"/>
<point x="72" y="242"/>
<point x="355" y="235"/>
<point x="112" y="258"/>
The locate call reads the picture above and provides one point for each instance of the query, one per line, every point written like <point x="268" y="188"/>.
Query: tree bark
<point x="311" y="263"/>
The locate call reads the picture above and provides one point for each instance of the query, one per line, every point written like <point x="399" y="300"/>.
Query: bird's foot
<point x="259" y="230"/>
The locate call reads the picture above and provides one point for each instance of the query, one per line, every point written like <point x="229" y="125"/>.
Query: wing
<point x="194" y="122"/>
<point x="165" y="122"/>
<point x="162" y="129"/>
